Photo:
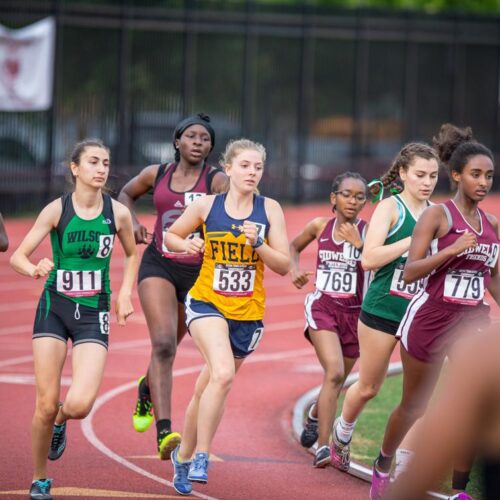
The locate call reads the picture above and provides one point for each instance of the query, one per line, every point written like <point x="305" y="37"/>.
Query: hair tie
<point x="378" y="196"/>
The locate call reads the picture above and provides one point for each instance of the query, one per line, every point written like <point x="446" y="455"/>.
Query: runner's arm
<point x="134" y="189"/>
<point x="494" y="286"/>
<point x="45" y="222"/>
<point x="432" y="223"/>
<point x="125" y="234"/>
<point x="375" y="253"/>
<point x="220" y="183"/>
<point x="275" y="253"/>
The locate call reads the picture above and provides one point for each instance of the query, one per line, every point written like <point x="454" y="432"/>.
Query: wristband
<point x="258" y="243"/>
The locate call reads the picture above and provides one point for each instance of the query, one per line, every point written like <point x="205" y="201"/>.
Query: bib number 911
<point x="78" y="283"/>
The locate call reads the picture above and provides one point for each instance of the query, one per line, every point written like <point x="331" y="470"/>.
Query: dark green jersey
<point x="388" y="295"/>
<point x="81" y="253"/>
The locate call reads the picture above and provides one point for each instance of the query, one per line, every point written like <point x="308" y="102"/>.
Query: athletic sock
<point x="163" y="426"/>
<point x="403" y="458"/>
<point x="460" y="480"/>
<point x="383" y="463"/>
<point x="144" y="389"/>
<point x="310" y="415"/>
<point x="344" y="430"/>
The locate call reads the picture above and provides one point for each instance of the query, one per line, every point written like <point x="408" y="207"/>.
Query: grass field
<point x="370" y="431"/>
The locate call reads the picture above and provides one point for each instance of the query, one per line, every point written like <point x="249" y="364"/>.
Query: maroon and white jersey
<point x="338" y="267"/>
<point x="462" y="279"/>
<point x="170" y="204"/>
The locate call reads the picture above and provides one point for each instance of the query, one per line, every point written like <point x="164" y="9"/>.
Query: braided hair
<point x="403" y="160"/>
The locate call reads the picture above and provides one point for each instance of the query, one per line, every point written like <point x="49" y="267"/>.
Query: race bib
<point x="78" y="283"/>
<point x="105" y="245"/>
<point x="350" y="252"/>
<point x="190" y="197"/>
<point x="464" y="287"/>
<point x="336" y="282"/>
<point x="492" y="260"/>
<point x="402" y="289"/>
<point x="236" y="280"/>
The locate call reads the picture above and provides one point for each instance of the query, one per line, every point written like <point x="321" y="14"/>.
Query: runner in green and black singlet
<point x="75" y="302"/>
<point x="384" y="252"/>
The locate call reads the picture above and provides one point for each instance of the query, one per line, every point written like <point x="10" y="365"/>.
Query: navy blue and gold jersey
<point x="232" y="273"/>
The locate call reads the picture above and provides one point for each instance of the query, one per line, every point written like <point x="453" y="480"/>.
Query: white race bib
<point x="464" y="287"/>
<point x="234" y="279"/>
<point x="105" y="245"/>
<point x="190" y="197"/>
<point x="402" y="289"/>
<point x="78" y="283"/>
<point x="336" y="282"/>
<point x="350" y="252"/>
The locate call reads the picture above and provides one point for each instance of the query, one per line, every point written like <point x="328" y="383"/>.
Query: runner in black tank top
<point x="166" y="277"/>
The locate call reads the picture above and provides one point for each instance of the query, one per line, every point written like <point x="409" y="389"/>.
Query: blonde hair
<point x="235" y="146"/>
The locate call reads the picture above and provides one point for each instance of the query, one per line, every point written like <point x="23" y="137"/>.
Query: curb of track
<point x="357" y="470"/>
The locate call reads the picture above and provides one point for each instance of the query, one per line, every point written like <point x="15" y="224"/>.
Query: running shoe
<point x="40" y="489"/>
<point x="310" y="433"/>
<point x="380" y="482"/>
<point x="460" y="496"/>
<point x="143" y="414"/>
<point x="181" y="482"/>
<point x="340" y="452"/>
<point x="198" y="472"/>
<point x="167" y="441"/>
<point x="322" y="457"/>
<point x="58" y="443"/>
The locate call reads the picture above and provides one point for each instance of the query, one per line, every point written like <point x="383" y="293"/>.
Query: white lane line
<point x="16" y="361"/>
<point x="26" y="379"/>
<point x="90" y="435"/>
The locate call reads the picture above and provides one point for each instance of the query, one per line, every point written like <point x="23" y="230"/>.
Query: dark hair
<point x="341" y="178"/>
<point x="199" y="119"/>
<point x="403" y="160"/>
<point x="80" y="147"/>
<point x="456" y="146"/>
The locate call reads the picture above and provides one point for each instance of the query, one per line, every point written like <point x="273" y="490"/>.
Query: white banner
<point x="27" y="66"/>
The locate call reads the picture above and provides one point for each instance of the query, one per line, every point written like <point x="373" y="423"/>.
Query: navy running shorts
<point x="244" y="336"/>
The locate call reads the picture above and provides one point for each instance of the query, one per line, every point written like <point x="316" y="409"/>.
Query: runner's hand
<point x="300" y="278"/>
<point x="42" y="268"/>
<point x="250" y="232"/>
<point x="195" y="246"/>
<point x="349" y="232"/>
<point x="140" y="233"/>
<point x="124" y="308"/>
<point x="464" y="242"/>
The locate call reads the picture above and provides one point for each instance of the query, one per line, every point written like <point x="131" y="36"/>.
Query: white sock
<point x="344" y="429"/>
<point x="310" y="415"/>
<point x="403" y="458"/>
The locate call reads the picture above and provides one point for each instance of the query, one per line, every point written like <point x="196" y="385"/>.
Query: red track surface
<point x="255" y="454"/>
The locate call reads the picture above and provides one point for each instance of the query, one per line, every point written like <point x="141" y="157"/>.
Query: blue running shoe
<point x="40" y="489"/>
<point x="58" y="443"/>
<point x="181" y="482"/>
<point x="198" y="472"/>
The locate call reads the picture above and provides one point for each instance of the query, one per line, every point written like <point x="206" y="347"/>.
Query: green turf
<point x="371" y="426"/>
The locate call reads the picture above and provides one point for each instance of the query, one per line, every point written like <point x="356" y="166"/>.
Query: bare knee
<point x="46" y="409"/>
<point x="334" y="378"/>
<point x="411" y="410"/>
<point x="164" y="347"/>
<point x="368" y="391"/>
<point x="223" y="378"/>
<point x="77" y="409"/>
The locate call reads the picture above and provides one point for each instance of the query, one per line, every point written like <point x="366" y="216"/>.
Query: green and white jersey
<point x="81" y="253"/>
<point x="388" y="295"/>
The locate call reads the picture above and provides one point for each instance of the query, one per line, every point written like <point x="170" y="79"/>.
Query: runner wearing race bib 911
<point x="225" y="307"/>
<point x="332" y="310"/>
<point x="455" y="245"/>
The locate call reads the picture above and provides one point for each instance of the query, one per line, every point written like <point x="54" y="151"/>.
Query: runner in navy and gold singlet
<point x="332" y="310"/>
<point x="384" y="253"/>
<point x="75" y="303"/>
<point x="165" y="277"/>
<point x="224" y="309"/>
<point x="455" y="247"/>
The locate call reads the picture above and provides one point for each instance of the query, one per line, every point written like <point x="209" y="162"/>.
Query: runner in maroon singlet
<point x="332" y="310"/>
<point x="455" y="246"/>
<point x="165" y="277"/>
